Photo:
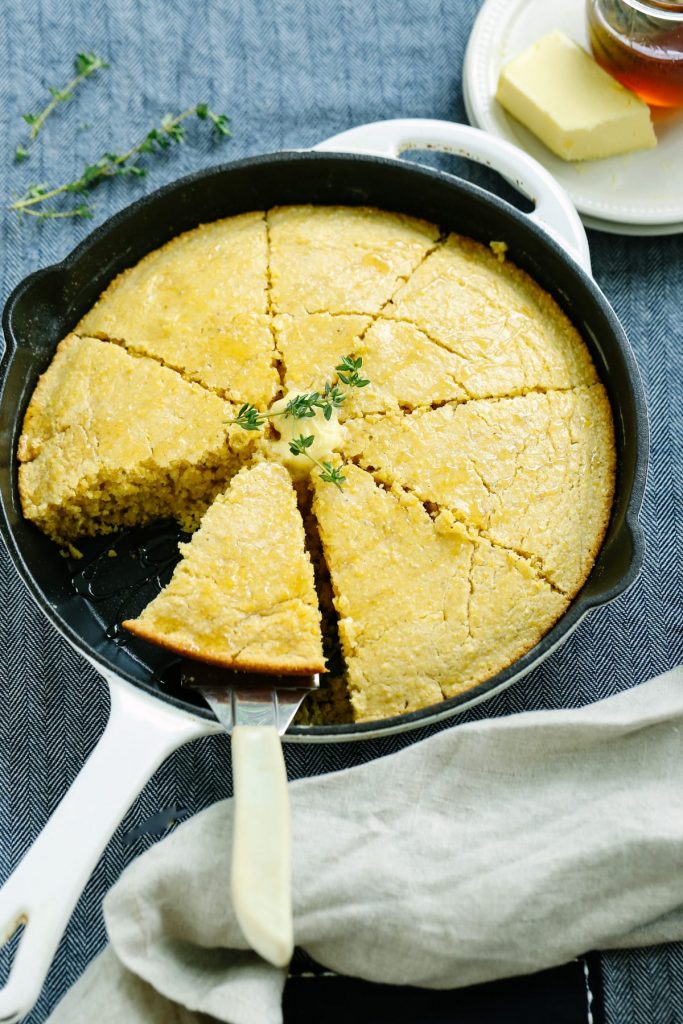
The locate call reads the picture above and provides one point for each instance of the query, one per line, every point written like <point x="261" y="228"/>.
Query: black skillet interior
<point x="86" y="599"/>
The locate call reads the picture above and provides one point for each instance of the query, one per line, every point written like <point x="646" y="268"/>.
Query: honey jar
<point x="640" y="42"/>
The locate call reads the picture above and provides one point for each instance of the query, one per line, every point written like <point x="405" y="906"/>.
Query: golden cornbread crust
<point x="508" y="334"/>
<point x="483" y="607"/>
<point x="480" y="459"/>
<point x="242" y="596"/>
<point x="336" y="259"/>
<point x="533" y="473"/>
<point x="199" y="304"/>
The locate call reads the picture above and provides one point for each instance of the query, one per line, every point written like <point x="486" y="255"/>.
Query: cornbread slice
<point x="199" y="305"/>
<point x="404" y="367"/>
<point x="341" y="259"/>
<point x="534" y="473"/>
<point x="112" y="440"/>
<point x="510" y="335"/>
<point x="243" y="596"/>
<point x="311" y="345"/>
<point x="425" y="611"/>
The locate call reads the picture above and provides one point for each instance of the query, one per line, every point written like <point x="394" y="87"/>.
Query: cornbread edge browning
<point x="243" y="596"/>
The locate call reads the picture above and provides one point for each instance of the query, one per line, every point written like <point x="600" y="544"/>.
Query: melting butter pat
<point x="328" y="436"/>
<point x="572" y="105"/>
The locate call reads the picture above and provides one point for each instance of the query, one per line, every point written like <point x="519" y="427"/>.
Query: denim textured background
<point x="290" y="73"/>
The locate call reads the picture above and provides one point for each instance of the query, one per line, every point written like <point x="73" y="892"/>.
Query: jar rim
<point x="664" y="10"/>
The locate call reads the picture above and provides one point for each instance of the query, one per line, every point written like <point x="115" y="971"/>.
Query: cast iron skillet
<point x="149" y="716"/>
<point x="45" y="306"/>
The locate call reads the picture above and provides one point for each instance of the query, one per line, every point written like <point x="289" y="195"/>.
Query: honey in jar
<point x="640" y="42"/>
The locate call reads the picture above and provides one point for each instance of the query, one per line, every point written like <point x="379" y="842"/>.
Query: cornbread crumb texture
<point x="243" y="595"/>
<point x="534" y="473"/>
<point x="404" y="367"/>
<point x="111" y="440"/>
<point x="199" y="305"/>
<point x="338" y="259"/>
<point x="508" y="334"/>
<point x="477" y="610"/>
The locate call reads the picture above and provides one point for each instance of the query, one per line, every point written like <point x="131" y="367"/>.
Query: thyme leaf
<point x="332" y="474"/>
<point x="299" y="445"/>
<point x="348" y="374"/>
<point x="249" y="418"/>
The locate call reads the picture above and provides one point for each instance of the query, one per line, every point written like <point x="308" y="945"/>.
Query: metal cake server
<point x="256" y="709"/>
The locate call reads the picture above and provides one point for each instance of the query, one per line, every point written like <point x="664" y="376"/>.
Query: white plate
<point x="639" y="193"/>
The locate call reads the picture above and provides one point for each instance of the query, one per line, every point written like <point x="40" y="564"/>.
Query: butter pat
<point x="328" y="435"/>
<point x="572" y="105"/>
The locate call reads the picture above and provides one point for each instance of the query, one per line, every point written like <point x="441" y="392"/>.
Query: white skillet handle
<point x="45" y="886"/>
<point x="554" y="210"/>
<point x="262" y="843"/>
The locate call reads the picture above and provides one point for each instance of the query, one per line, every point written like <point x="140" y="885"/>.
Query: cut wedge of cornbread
<point x="510" y="335"/>
<point x="199" y="304"/>
<point x="112" y="440"/>
<point x="478" y="607"/>
<point x="405" y="369"/>
<point x="533" y="473"/>
<point x="243" y="596"/>
<point x="341" y="259"/>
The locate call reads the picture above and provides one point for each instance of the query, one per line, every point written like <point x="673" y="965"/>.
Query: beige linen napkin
<point x="492" y="849"/>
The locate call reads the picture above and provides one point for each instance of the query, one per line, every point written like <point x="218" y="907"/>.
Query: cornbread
<point x="242" y="596"/>
<point x="533" y="473"/>
<point x="198" y="305"/>
<point x="510" y="335"/>
<point x="110" y="440"/>
<point x="478" y="608"/>
<point x="475" y="470"/>
<point x="405" y="368"/>
<point x="336" y="259"/>
<point x="311" y="345"/>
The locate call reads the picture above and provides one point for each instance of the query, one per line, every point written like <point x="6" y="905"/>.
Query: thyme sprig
<point x="348" y="374"/>
<point x="306" y="405"/>
<point x="249" y="418"/>
<point x="112" y="165"/>
<point x="85" y="65"/>
<point x="329" y="473"/>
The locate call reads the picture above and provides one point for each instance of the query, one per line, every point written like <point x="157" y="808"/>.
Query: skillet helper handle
<point x="261" y="872"/>
<point x="554" y="211"/>
<point x="44" y="888"/>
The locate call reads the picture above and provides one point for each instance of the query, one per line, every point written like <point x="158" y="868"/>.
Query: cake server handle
<point x="256" y="709"/>
<point x="553" y="210"/>
<point x="262" y="843"/>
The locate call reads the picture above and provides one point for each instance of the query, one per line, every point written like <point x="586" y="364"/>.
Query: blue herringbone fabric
<point x="289" y="73"/>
